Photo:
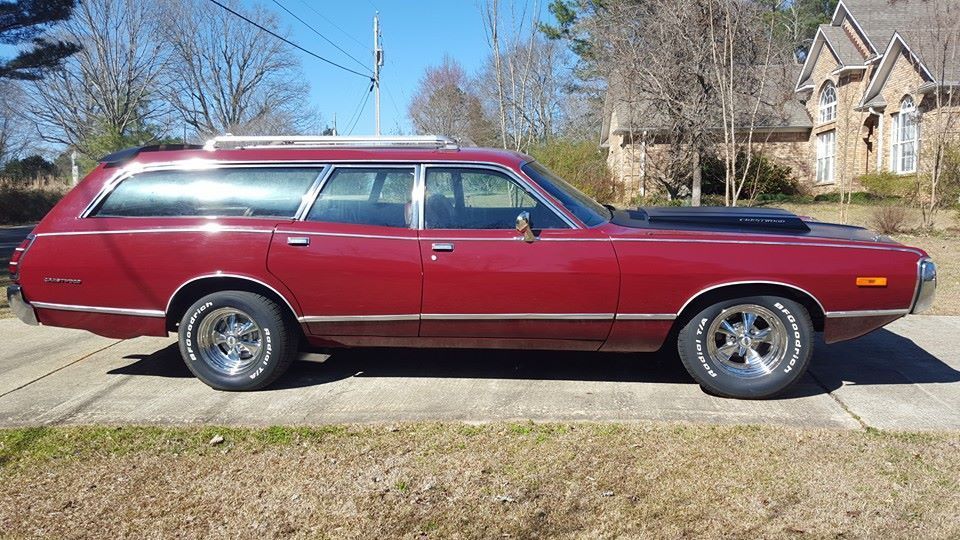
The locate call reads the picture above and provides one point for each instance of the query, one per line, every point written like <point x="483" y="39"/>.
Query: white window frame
<point x="826" y="156"/>
<point x="904" y="138"/>
<point x="828" y="103"/>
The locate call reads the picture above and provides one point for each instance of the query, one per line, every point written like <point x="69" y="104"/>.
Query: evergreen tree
<point x="26" y="20"/>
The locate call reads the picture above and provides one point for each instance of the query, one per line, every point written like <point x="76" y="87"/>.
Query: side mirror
<point x="525" y="227"/>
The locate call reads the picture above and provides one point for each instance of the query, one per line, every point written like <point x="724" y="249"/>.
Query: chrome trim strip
<point x="358" y="318"/>
<point x="754" y="282"/>
<point x="763" y="242"/>
<point x="866" y="313"/>
<point x="306" y="202"/>
<point x="100" y="309"/>
<point x="646" y="316"/>
<point x="515" y="316"/>
<point x="348" y="235"/>
<point x="201" y="229"/>
<point x="525" y="184"/>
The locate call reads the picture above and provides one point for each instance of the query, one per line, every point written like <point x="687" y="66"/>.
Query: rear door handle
<point x="298" y="240"/>
<point x="442" y="246"/>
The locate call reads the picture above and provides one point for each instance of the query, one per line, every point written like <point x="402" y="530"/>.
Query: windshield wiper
<point x="610" y="208"/>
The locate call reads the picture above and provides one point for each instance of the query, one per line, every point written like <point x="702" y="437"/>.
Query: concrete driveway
<point x="903" y="377"/>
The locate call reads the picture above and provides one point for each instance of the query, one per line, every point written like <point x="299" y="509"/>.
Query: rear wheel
<point x="235" y="340"/>
<point x="752" y="347"/>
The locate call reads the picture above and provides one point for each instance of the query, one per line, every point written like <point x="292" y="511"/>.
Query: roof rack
<point x="328" y="141"/>
<point x="127" y="154"/>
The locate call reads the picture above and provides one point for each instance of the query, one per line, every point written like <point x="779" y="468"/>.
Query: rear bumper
<point x="926" y="286"/>
<point x="20" y="307"/>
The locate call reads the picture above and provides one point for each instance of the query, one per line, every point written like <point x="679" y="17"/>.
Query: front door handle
<point x="298" y="240"/>
<point x="442" y="246"/>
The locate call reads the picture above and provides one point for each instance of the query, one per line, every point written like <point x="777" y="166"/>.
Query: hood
<point x="748" y="220"/>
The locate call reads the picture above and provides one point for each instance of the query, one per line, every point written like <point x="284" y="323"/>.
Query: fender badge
<point x="68" y="281"/>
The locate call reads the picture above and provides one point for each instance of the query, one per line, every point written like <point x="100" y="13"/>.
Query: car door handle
<point x="298" y="240"/>
<point x="442" y="246"/>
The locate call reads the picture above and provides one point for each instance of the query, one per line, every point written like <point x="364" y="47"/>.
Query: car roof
<point x="507" y="158"/>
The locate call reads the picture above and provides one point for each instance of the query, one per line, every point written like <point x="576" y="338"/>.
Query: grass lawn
<point x="488" y="481"/>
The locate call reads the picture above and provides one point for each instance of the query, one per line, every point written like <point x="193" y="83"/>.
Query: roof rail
<point x="328" y="141"/>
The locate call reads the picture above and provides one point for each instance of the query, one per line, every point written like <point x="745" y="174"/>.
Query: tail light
<point x="17" y="257"/>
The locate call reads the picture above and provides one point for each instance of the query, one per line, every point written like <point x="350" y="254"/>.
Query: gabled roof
<point x="838" y="43"/>
<point x="893" y="51"/>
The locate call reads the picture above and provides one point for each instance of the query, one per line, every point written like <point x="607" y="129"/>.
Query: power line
<point x="292" y="44"/>
<point x="335" y="25"/>
<point x="317" y="32"/>
<point x="359" y="112"/>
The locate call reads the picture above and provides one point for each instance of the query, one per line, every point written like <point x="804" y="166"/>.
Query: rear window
<point x="250" y="192"/>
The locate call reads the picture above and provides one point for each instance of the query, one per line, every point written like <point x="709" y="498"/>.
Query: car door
<point x="352" y="260"/>
<point x="482" y="280"/>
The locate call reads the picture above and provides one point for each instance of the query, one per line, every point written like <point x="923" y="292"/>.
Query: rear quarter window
<point x="245" y="192"/>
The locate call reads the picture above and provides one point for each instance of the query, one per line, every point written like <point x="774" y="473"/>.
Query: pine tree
<point x="25" y="21"/>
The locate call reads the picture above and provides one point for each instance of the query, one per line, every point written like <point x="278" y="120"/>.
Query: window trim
<point x="418" y="185"/>
<point x="332" y="167"/>
<point x="420" y="189"/>
<point x="89" y="212"/>
<point x="820" y="104"/>
<point x="832" y="157"/>
<point x="896" y="144"/>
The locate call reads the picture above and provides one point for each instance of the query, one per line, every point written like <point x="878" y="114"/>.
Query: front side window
<point x="904" y="138"/>
<point x="578" y="203"/>
<point x="826" y="149"/>
<point x="828" y="103"/>
<point x="467" y="198"/>
<point x="366" y="196"/>
<point x="243" y="191"/>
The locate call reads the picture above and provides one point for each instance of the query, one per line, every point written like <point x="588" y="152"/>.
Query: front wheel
<point x="235" y="340"/>
<point x="749" y="348"/>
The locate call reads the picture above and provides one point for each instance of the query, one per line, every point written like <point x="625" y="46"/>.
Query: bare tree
<point x="230" y="76"/>
<point x="443" y="104"/>
<point x="108" y="88"/>
<point x="937" y="175"/>
<point x="521" y="80"/>
<point x="743" y="46"/>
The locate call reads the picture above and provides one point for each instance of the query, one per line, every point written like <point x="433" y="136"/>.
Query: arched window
<point x="904" y="139"/>
<point x="828" y="103"/>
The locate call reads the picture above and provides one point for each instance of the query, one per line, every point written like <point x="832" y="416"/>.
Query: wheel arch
<point x="195" y="288"/>
<point x="739" y="289"/>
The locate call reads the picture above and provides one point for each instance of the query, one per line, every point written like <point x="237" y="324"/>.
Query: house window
<point x="826" y="149"/>
<point x="828" y="103"/>
<point x="904" y="139"/>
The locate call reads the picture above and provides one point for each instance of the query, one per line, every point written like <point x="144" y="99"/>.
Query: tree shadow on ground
<point x="880" y="358"/>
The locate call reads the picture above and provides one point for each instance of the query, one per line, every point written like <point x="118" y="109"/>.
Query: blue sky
<point x="416" y="34"/>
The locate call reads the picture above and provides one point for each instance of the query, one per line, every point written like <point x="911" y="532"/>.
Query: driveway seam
<point x="45" y="375"/>
<point x="846" y="409"/>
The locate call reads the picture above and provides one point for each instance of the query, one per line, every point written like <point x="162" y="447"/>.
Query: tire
<point x="777" y="350"/>
<point x="234" y="340"/>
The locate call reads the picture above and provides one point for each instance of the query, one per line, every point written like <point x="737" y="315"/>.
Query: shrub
<point x="764" y="177"/>
<point x="25" y="203"/>
<point x="582" y="164"/>
<point x="886" y="184"/>
<point x="889" y="219"/>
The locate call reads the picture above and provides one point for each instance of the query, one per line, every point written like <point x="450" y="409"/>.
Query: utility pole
<point x="377" y="62"/>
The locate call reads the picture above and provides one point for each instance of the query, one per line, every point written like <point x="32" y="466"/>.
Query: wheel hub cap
<point x="747" y="341"/>
<point x="229" y="340"/>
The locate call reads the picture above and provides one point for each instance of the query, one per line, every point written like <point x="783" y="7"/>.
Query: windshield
<point x="586" y="209"/>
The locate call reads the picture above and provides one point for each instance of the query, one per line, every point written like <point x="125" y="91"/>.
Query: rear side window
<point x="366" y="196"/>
<point x="251" y="192"/>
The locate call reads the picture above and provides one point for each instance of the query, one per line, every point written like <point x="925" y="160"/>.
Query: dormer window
<point x="828" y="103"/>
<point x="904" y="139"/>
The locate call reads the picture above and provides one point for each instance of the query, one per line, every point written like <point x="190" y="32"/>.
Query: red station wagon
<point x="251" y="247"/>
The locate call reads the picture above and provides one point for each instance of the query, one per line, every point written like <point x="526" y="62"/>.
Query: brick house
<point x="859" y="103"/>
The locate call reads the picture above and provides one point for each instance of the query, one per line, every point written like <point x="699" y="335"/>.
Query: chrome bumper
<point x="20" y="307"/>
<point x="926" y="286"/>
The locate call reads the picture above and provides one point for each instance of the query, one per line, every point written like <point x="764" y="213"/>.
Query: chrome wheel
<point x="229" y="340"/>
<point x="747" y="341"/>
